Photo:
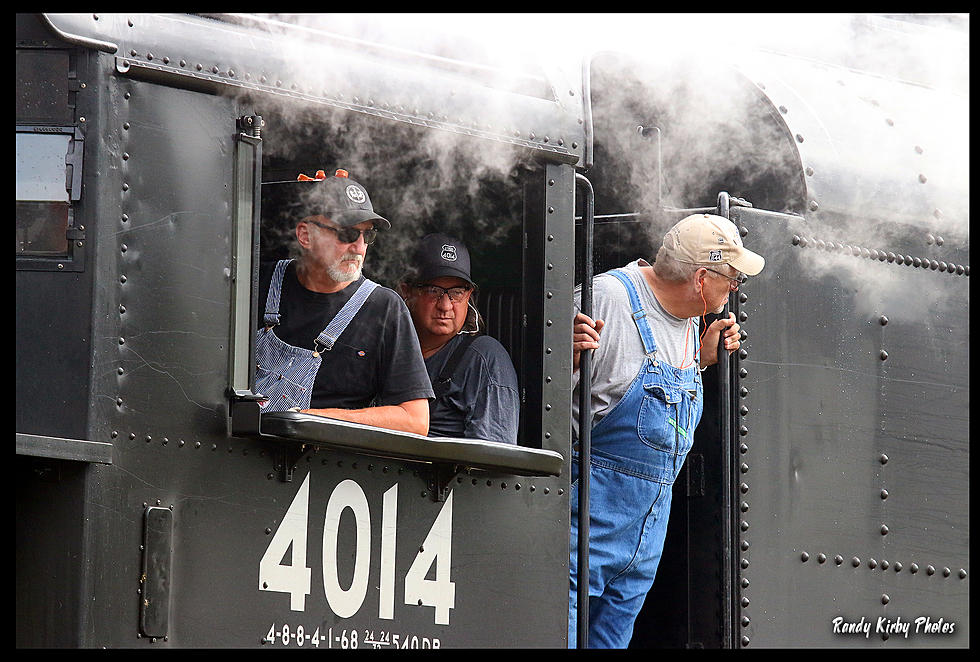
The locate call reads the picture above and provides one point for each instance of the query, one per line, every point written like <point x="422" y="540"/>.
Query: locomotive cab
<point x="139" y="333"/>
<point x="422" y="182"/>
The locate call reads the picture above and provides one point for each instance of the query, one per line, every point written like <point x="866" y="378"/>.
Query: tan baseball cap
<point x="706" y="239"/>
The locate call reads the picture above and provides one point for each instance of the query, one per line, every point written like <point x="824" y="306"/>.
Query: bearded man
<point x="330" y="341"/>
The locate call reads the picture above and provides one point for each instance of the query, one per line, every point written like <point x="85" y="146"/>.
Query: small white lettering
<point x="926" y="625"/>
<point x="853" y="627"/>
<point x="888" y="626"/>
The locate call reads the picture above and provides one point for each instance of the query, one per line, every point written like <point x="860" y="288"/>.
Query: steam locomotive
<point x="826" y="498"/>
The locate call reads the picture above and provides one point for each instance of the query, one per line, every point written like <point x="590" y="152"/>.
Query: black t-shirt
<point x="376" y="361"/>
<point x="483" y="401"/>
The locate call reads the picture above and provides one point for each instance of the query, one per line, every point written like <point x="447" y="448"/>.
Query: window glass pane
<point x="42" y="228"/>
<point x="41" y="166"/>
<point x="42" y="87"/>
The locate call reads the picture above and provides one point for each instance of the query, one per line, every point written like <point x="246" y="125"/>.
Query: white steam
<point x="686" y="58"/>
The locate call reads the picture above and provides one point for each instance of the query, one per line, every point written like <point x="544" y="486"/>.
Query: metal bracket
<point x="286" y="457"/>
<point x="439" y="477"/>
<point x="250" y="126"/>
<point x="244" y="415"/>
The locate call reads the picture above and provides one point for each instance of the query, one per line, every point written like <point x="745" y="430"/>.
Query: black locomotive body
<point x="157" y="158"/>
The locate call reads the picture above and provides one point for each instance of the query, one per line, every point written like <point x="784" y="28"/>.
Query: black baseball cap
<point x="438" y="255"/>
<point x="344" y="201"/>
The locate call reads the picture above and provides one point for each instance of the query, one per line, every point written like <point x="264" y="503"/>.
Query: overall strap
<point x="271" y="317"/>
<point x="639" y="315"/>
<point x="446" y="375"/>
<point x="337" y="325"/>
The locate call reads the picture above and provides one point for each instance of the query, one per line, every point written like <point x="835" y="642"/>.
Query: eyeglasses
<point x="434" y="292"/>
<point x="348" y="235"/>
<point x="734" y="282"/>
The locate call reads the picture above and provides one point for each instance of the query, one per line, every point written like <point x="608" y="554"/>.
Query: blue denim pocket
<point x="657" y="423"/>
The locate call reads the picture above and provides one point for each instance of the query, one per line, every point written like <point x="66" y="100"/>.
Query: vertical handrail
<point x="585" y="425"/>
<point x="724" y="415"/>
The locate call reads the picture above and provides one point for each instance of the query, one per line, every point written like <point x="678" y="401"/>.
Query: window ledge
<point x="57" y="448"/>
<point x="475" y="453"/>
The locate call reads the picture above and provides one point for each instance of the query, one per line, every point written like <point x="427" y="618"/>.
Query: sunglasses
<point x="434" y="292"/>
<point x="348" y="235"/>
<point x="734" y="282"/>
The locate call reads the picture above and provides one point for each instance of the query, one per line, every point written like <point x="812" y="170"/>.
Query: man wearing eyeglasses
<point x="647" y="400"/>
<point x="473" y="377"/>
<point x="330" y="341"/>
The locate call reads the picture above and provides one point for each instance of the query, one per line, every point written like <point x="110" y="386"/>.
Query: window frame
<point x="74" y="260"/>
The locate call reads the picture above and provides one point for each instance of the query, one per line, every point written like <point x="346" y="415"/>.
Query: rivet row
<point x="873" y="564"/>
<point x="356" y="101"/>
<point x="881" y="256"/>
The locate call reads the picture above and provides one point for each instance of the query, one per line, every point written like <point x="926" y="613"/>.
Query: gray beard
<point x="342" y="275"/>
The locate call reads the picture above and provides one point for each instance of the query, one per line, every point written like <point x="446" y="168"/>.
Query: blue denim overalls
<point x="638" y="449"/>
<point x="285" y="373"/>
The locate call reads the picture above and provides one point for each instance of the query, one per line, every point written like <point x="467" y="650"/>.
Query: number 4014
<point x="294" y="578"/>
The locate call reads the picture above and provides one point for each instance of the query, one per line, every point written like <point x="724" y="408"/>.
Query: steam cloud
<point x="686" y="59"/>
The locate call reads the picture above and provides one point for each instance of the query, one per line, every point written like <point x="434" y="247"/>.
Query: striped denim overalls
<point x="285" y="373"/>
<point x="638" y="448"/>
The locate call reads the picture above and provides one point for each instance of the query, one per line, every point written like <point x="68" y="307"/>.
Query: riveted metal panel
<point x="164" y="314"/>
<point x="250" y="57"/>
<point x="548" y="273"/>
<point x="559" y="267"/>
<point x="865" y="141"/>
<point x="495" y="521"/>
<point x="851" y="475"/>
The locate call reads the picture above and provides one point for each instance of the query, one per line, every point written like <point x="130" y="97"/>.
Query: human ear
<point x="303" y="234"/>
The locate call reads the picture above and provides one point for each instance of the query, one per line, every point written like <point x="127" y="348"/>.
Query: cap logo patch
<point x="356" y="194"/>
<point x="714" y="256"/>
<point x="449" y="252"/>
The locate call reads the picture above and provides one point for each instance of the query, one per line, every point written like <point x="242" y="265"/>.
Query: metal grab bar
<point x="585" y="428"/>
<point x="85" y="42"/>
<point x="724" y="415"/>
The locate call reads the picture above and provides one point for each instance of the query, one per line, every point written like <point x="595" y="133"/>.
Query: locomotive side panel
<point x="854" y="454"/>
<point x="191" y="537"/>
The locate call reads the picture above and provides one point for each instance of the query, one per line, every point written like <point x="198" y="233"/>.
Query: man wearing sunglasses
<point x="647" y="400"/>
<point x="473" y="377"/>
<point x="330" y="341"/>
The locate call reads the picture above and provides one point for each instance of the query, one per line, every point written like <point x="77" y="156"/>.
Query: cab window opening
<point x="423" y="181"/>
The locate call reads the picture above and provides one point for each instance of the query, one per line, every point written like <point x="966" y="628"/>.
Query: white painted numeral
<point x="347" y="494"/>
<point x="389" y="523"/>
<point x="294" y="578"/>
<point x="437" y="548"/>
